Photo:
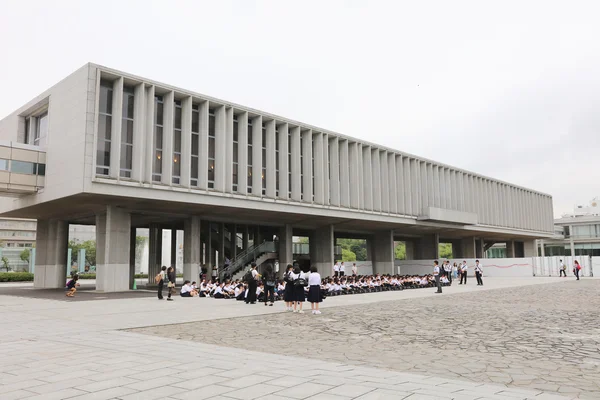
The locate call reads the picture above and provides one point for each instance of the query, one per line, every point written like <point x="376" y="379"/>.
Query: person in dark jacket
<point x="171" y="276"/>
<point x="288" y="293"/>
<point x="252" y="286"/>
<point x="269" y="282"/>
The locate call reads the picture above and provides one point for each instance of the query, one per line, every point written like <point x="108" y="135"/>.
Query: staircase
<point x="258" y="254"/>
<point x="259" y="261"/>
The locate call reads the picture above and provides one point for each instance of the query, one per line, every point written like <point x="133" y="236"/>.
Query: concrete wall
<point x="496" y="267"/>
<point x="549" y="266"/>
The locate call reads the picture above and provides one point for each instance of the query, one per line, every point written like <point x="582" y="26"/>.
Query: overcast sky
<point x="506" y="89"/>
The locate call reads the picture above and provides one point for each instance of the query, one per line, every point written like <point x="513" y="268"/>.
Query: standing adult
<point x="314" y="290"/>
<point x="454" y="270"/>
<point x="479" y="273"/>
<point x="436" y="275"/>
<point x="288" y="294"/>
<point x="463" y="272"/>
<point x="336" y="269"/>
<point x="342" y="269"/>
<point x="251" y="297"/>
<point x="562" y="269"/>
<point x="172" y="276"/>
<point x="576" y="269"/>
<point x="268" y="279"/>
<point x="161" y="282"/>
<point x="299" y="282"/>
<point x="354" y="269"/>
<point x="448" y="271"/>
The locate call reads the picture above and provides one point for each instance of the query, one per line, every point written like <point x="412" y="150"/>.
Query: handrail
<point x="247" y="255"/>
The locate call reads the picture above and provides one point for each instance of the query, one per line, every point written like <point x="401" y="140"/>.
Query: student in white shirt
<point x="336" y="270"/>
<point x="436" y="275"/>
<point x="314" y="290"/>
<point x="161" y="282"/>
<point x="186" y="289"/>
<point x="463" y="272"/>
<point x="342" y="269"/>
<point x="218" y="292"/>
<point x="479" y="273"/>
<point x="562" y="269"/>
<point x="448" y="271"/>
<point x="354" y="269"/>
<point x="297" y="277"/>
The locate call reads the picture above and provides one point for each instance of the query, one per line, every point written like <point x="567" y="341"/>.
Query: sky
<point x="507" y="89"/>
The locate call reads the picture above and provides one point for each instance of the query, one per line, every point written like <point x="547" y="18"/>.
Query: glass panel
<point x="250" y="155"/>
<point x="104" y="127"/>
<point x="158" y="137"/>
<point x="176" y="165"/>
<point x="177" y="117"/>
<point x="103" y="153"/>
<point x="159" y="113"/>
<point x="211" y="170"/>
<point x="106" y="99"/>
<point x="235" y="174"/>
<point x="195" y="140"/>
<point x="195" y="121"/>
<point x="158" y="162"/>
<point x="22" y="167"/>
<point x="235" y="152"/>
<point x="194" y="171"/>
<point x="128" y="101"/>
<point x="127" y="131"/>
<point x="211" y="125"/>
<point x="235" y="131"/>
<point x="41" y="169"/>
<point x="177" y="141"/>
<point x="211" y="147"/>
<point x="3" y="165"/>
<point x="42" y="128"/>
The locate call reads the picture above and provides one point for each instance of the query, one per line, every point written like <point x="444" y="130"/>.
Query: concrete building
<point x="123" y="152"/>
<point x="576" y="234"/>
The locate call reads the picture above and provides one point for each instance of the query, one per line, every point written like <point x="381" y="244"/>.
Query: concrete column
<point x="399" y="185"/>
<point x="571" y="242"/>
<point x="367" y="189"/>
<point x="354" y="178"/>
<point x="467" y="247"/>
<point x="542" y="249"/>
<point x="410" y="249"/>
<point x="154" y="252"/>
<point x="320" y="171"/>
<point x="383" y="252"/>
<point x="243" y="153"/>
<point x="479" y="248"/>
<point x="392" y="182"/>
<point x="132" y="240"/>
<point x="361" y="177"/>
<point x="257" y="156"/>
<point x="168" y="124"/>
<point x="270" y="161"/>
<point x="384" y="182"/>
<point x="283" y="133"/>
<point x="428" y="247"/>
<point x="286" y="255"/>
<point x="307" y="170"/>
<point x="529" y="248"/>
<point x="191" y="248"/>
<point x="221" y="248"/>
<point x="148" y="159"/>
<point x="139" y="138"/>
<point x="344" y="174"/>
<point x="115" y="141"/>
<point x="408" y="187"/>
<point x="229" y="150"/>
<point x="322" y="242"/>
<point x="173" y="259"/>
<point x="112" y="250"/>
<point x="326" y="192"/>
<point x="245" y="238"/>
<point x="510" y="249"/>
<point x="51" y="254"/>
<point x="209" y="256"/>
<point x="334" y="171"/>
<point x="186" y="141"/>
<point x="295" y="167"/>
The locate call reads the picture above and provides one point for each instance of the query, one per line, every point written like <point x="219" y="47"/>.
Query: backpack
<point x="67" y="285"/>
<point x="248" y="276"/>
<point x="300" y="281"/>
<point x="157" y="278"/>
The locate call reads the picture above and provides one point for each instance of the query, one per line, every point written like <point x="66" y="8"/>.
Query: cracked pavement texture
<point x="544" y="337"/>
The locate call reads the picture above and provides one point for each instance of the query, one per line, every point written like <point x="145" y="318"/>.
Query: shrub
<point x="16" y="277"/>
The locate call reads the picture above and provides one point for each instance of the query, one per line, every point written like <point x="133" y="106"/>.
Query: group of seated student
<point x="330" y="286"/>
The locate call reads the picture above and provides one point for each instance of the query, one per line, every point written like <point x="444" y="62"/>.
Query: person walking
<point x="463" y="272"/>
<point x="251" y="297"/>
<point x="562" y="269"/>
<point x="314" y="290"/>
<point x="288" y="292"/>
<point x="268" y="279"/>
<point x="479" y="273"/>
<point x="172" y="277"/>
<point x="299" y="282"/>
<point x="161" y="282"/>
<point x="576" y="269"/>
<point x="342" y="269"/>
<point x="436" y="275"/>
<point x="448" y="271"/>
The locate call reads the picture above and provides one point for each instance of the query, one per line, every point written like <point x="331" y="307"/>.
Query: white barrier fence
<point x="550" y="266"/>
<point x="504" y="267"/>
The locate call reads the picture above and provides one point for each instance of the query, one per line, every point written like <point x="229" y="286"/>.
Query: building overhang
<point x="446" y="216"/>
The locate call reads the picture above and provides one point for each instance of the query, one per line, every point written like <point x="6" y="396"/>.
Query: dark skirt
<point x="299" y="293"/>
<point x="288" y="293"/>
<point x="314" y="294"/>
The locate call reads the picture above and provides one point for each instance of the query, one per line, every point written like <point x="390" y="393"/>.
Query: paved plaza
<point x="527" y="338"/>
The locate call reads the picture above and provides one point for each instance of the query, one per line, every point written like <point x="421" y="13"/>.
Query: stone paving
<point x="543" y="337"/>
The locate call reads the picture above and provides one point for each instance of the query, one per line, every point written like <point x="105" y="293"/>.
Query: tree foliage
<point x="400" y="251"/>
<point x="445" y="250"/>
<point x="353" y="249"/>
<point x="5" y="264"/>
<point x="90" y="251"/>
<point x="25" y="255"/>
<point x="348" y="255"/>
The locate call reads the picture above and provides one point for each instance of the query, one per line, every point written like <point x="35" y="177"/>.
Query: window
<point x="158" y="139"/>
<point x="264" y="160"/>
<point x="301" y="169"/>
<point x="276" y="162"/>
<point x="41" y="169"/>
<point x="3" y="165"/>
<point x="104" y="128"/>
<point x="195" y="144"/>
<point x="235" y="153"/>
<point x="177" y="144"/>
<point x="250" y="134"/>
<point x="289" y="165"/>
<point x="211" y="148"/>
<point x="23" y="167"/>
<point x="127" y="133"/>
<point x="41" y="131"/>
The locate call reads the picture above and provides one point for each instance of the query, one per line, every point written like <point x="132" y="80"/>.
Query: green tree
<point x="90" y="251"/>
<point x="348" y="255"/>
<point x="356" y="246"/>
<point x="400" y="251"/>
<point x="5" y="264"/>
<point x="25" y="255"/>
<point x="140" y="241"/>
<point x="445" y="250"/>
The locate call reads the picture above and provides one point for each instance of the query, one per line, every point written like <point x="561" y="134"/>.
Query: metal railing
<point x="248" y="255"/>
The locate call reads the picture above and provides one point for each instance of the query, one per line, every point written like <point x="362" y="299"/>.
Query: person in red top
<point x="576" y="269"/>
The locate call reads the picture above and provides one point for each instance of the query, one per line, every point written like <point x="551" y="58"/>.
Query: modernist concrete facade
<point x="125" y="152"/>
